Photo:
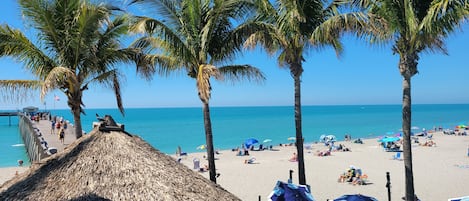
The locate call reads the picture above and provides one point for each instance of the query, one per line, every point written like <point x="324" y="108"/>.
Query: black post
<point x="290" y="180"/>
<point x="259" y="198"/>
<point x="388" y="185"/>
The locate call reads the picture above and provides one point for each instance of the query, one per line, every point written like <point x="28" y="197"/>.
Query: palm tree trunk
<point x="74" y="102"/>
<point x="407" y="68"/>
<point x="299" y="134"/>
<point x="209" y="142"/>
<point x="406" y="126"/>
<point x="77" y="119"/>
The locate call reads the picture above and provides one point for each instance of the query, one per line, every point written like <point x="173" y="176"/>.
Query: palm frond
<point x="236" y="73"/>
<point x="205" y="72"/>
<point x="13" y="43"/>
<point x="60" y="78"/>
<point x="19" y="90"/>
<point x="444" y="16"/>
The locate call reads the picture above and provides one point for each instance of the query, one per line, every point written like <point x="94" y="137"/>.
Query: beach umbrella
<point x="465" y="198"/>
<point x="290" y="192"/>
<point x="330" y="138"/>
<point x="389" y="139"/>
<point x="250" y="141"/>
<point x="322" y="138"/>
<point x="202" y="147"/>
<point x="291" y="138"/>
<point x="111" y="165"/>
<point x="267" y="141"/>
<point x="355" y="197"/>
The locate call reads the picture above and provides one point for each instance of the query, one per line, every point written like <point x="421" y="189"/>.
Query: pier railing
<point x="31" y="139"/>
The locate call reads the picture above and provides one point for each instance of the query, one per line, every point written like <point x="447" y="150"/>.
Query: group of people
<point x="354" y="176"/>
<point x="61" y="127"/>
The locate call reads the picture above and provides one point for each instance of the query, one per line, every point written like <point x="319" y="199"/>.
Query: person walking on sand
<point x="62" y="135"/>
<point x="52" y="129"/>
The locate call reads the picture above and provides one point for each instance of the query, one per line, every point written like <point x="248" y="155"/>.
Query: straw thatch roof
<point x="111" y="166"/>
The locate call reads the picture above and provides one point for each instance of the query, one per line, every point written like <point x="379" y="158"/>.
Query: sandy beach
<point x="8" y="173"/>
<point x="440" y="172"/>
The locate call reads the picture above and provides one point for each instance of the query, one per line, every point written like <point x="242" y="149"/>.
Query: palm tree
<point x="413" y="27"/>
<point x="77" y="46"/>
<point x="286" y="27"/>
<point x="198" y="36"/>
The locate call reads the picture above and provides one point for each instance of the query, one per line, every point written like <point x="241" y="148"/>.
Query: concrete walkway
<point x="52" y="138"/>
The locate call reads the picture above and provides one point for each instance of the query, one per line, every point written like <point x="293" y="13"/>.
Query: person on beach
<point x="294" y="158"/>
<point x="20" y="163"/>
<point x="52" y="129"/>
<point x="62" y="135"/>
<point x="58" y="125"/>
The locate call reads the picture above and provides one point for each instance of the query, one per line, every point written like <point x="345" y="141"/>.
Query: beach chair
<point x="430" y="136"/>
<point x="250" y="160"/>
<point x="397" y="156"/>
<point x="196" y="162"/>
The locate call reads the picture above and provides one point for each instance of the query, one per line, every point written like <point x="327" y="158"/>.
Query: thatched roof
<point x="111" y="166"/>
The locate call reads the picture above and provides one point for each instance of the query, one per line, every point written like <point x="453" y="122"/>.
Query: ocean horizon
<point x="167" y="128"/>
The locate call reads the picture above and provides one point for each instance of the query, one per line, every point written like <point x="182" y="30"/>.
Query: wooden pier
<point x="3" y="114"/>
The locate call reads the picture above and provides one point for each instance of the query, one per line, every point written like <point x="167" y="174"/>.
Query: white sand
<point x="440" y="172"/>
<point x="9" y="172"/>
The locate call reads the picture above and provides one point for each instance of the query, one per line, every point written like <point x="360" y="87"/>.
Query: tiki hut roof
<point x="111" y="166"/>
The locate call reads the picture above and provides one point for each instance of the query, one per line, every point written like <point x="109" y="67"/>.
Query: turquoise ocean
<point x="167" y="128"/>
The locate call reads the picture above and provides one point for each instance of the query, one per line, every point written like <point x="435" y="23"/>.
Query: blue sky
<point x="362" y="75"/>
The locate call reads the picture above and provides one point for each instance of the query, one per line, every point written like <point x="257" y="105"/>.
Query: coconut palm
<point x="198" y="36"/>
<point x="285" y="27"/>
<point x="77" y="46"/>
<point x="413" y="27"/>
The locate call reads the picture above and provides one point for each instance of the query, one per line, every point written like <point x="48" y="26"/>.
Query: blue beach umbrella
<point x="322" y="138"/>
<point x="290" y="192"/>
<point x="355" y="197"/>
<point x="249" y="142"/>
<point x="389" y="139"/>
<point x="331" y="137"/>
<point x="465" y="198"/>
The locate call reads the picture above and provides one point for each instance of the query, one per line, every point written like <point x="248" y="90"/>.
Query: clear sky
<point x="362" y="75"/>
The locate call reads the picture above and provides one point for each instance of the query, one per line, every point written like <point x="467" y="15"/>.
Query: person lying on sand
<point x="428" y="143"/>
<point x="294" y="158"/>
<point x="323" y="153"/>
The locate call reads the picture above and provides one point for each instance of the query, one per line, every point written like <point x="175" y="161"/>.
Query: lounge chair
<point x="196" y="162"/>
<point x="397" y="156"/>
<point x="250" y="160"/>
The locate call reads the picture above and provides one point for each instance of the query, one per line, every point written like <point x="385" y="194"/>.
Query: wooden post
<point x="388" y="185"/>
